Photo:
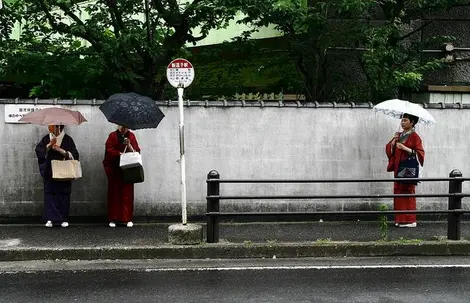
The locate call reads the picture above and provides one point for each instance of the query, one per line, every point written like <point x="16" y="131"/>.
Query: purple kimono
<point x="56" y="193"/>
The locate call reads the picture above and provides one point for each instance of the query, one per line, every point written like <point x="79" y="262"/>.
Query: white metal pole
<point x="182" y="160"/>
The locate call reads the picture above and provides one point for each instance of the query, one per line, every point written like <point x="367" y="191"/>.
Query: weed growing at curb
<point x="272" y="243"/>
<point x="323" y="241"/>
<point x="408" y="241"/>
<point x="402" y="240"/>
<point x="440" y="238"/>
<point x="383" y="224"/>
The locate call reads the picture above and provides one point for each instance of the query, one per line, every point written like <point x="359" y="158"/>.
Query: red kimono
<point x="395" y="155"/>
<point x="120" y="194"/>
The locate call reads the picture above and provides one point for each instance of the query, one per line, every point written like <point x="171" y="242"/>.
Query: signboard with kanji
<point x="14" y="112"/>
<point x="180" y="73"/>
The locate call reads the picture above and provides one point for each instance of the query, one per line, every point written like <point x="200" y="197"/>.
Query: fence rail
<point x="338" y="196"/>
<point x="454" y="210"/>
<point x="347" y="212"/>
<point x="332" y="180"/>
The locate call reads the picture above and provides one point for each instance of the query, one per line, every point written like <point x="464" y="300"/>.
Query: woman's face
<point x="54" y="129"/>
<point x="122" y="129"/>
<point x="406" y="124"/>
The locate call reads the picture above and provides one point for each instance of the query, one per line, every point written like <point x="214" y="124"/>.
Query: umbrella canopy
<point x="397" y="108"/>
<point x="132" y="110"/>
<point x="54" y="116"/>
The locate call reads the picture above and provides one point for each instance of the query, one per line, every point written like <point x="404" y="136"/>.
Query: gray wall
<point x="240" y="142"/>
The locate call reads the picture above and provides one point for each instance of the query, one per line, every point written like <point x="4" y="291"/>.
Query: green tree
<point x="8" y="18"/>
<point x="388" y="31"/>
<point x="243" y="66"/>
<point x="308" y="31"/>
<point x="91" y="49"/>
<point x="393" y="60"/>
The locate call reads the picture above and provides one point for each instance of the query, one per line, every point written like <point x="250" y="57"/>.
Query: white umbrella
<point x="397" y="108"/>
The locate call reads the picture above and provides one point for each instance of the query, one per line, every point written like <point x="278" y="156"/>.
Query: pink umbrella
<point x="54" y="116"/>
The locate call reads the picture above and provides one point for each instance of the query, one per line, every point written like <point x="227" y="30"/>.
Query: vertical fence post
<point x="455" y="202"/>
<point x="213" y="189"/>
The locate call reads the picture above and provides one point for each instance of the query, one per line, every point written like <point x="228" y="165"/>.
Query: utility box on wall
<point x="451" y="94"/>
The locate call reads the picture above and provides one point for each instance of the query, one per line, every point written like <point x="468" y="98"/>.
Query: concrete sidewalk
<point x="237" y="240"/>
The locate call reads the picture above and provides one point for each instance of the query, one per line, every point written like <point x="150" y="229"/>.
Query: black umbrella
<point x="132" y="110"/>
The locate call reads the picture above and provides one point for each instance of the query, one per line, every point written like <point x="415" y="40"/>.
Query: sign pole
<point x="182" y="158"/>
<point x="180" y="74"/>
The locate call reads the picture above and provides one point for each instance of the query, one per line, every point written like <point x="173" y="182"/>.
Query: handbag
<point x="409" y="168"/>
<point x="133" y="175"/>
<point x="128" y="160"/>
<point x="66" y="170"/>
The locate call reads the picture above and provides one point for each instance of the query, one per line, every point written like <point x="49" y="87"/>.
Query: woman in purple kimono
<point x="57" y="145"/>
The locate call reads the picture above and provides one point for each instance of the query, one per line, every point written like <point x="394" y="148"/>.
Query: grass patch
<point x="323" y="241"/>
<point x="402" y="240"/>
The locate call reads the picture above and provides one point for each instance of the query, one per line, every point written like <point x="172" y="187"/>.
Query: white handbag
<point x="128" y="160"/>
<point x="66" y="170"/>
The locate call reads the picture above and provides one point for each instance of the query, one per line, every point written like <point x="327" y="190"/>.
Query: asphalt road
<point x="306" y="280"/>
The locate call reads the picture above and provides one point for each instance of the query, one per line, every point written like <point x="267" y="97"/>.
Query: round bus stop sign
<point x="180" y="73"/>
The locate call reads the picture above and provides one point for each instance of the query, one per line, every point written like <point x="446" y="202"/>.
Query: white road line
<point x="319" y="267"/>
<point x="42" y="268"/>
<point x="9" y="242"/>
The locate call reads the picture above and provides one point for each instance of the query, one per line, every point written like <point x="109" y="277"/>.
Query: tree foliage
<point x="308" y="32"/>
<point x="91" y="49"/>
<point x="107" y="45"/>
<point x="386" y="29"/>
<point x="393" y="61"/>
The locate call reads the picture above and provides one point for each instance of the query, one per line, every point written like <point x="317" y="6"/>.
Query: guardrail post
<point x="455" y="202"/>
<point x="213" y="189"/>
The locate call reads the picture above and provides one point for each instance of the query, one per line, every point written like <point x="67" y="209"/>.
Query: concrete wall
<point x="250" y="142"/>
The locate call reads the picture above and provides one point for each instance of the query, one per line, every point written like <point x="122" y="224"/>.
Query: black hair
<point x="412" y="118"/>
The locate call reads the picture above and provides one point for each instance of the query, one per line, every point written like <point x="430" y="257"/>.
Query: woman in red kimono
<point x="399" y="148"/>
<point x="120" y="194"/>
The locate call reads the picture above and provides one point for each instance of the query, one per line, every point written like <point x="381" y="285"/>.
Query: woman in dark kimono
<point x="120" y="194"/>
<point x="398" y="149"/>
<point x="57" y="145"/>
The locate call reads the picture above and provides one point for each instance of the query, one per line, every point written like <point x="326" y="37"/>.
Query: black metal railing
<point x="454" y="211"/>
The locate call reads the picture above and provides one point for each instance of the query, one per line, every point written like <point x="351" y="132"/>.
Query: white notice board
<point x="14" y="112"/>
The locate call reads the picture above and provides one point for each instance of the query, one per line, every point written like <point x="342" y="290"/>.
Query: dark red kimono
<point x="120" y="194"/>
<point x="395" y="155"/>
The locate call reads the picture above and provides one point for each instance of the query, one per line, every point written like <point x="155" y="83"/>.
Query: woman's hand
<point x="58" y="149"/>
<point x="128" y="143"/>
<point x="52" y="143"/>
<point x="403" y="147"/>
<point x="395" y="138"/>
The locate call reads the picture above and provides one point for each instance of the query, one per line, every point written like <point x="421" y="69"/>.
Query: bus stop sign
<point x="180" y="73"/>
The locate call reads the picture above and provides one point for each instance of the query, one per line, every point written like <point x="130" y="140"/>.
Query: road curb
<point x="238" y="251"/>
